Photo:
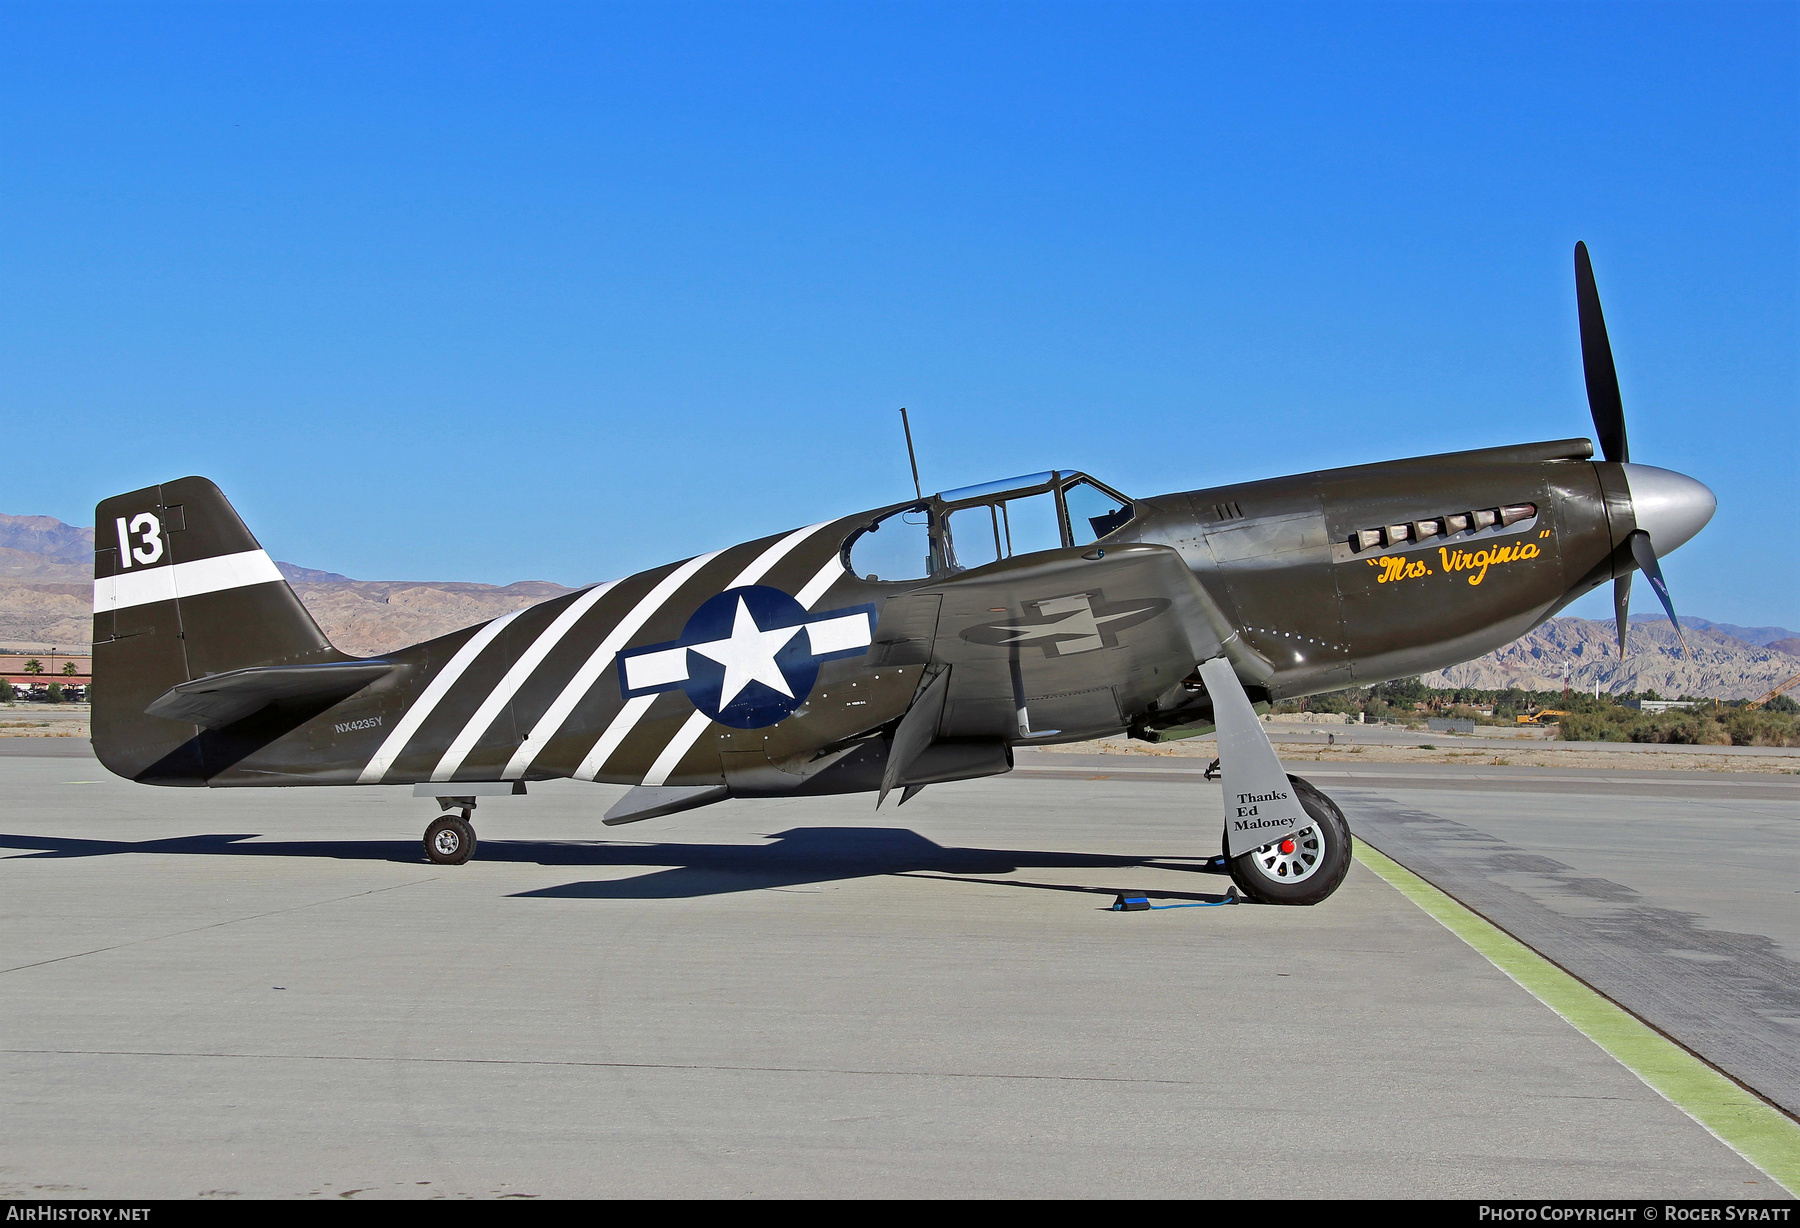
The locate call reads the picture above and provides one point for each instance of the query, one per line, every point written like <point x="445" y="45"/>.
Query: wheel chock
<point x="1128" y="902"/>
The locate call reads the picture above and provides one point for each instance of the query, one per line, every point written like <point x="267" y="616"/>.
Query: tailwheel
<point x="1302" y="868"/>
<point x="450" y="840"/>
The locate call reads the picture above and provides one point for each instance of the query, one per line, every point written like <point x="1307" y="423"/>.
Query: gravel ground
<point x="1535" y="754"/>
<point x="19" y="720"/>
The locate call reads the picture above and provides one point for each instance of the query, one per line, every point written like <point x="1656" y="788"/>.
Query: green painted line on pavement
<point x="1762" y="1134"/>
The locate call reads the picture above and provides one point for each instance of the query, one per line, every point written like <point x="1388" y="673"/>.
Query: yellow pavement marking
<point x="1755" y="1130"/>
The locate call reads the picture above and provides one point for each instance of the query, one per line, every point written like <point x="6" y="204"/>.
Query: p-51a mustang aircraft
<point x="895" y="648"/>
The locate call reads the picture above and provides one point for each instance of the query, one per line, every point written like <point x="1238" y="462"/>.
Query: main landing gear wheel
<point x="450" y="840"/>
<point x="1305" y="867"/>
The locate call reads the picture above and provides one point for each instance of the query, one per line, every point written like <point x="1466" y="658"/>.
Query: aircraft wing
<point x="1066" y="641"/>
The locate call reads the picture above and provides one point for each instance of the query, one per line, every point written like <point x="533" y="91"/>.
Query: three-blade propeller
<point x="1609" y="424"/>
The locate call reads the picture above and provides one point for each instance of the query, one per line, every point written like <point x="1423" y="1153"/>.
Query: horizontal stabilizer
<point x="654" y="801"/>
<point x="223" y="699"/>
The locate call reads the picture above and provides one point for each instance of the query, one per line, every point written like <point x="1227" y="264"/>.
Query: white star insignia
<point x="748" y="656"/>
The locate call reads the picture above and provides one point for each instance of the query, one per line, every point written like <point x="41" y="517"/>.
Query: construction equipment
<point x="1788" y="685"/>
<point x="1537" y="718"/>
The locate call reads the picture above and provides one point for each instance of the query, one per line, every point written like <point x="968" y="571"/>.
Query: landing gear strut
<point x="1307" y="849"/>
<point x="450" y="840"/>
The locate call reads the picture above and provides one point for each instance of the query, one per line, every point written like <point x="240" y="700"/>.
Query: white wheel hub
<point x="1292" y="859"/>
<point x="447" y="842"/>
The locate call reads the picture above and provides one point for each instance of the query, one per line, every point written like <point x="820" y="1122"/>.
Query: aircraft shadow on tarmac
<point x="797" y="857"/>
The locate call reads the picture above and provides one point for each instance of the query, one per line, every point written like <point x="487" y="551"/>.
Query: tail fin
<point x="182" y="592"/>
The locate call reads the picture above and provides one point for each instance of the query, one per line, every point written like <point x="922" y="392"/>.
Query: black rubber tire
<point x="449" y="841"/>
<point x="1334" y="864"/>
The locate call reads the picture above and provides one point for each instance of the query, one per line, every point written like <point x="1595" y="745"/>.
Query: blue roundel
<point x="779" y="626"/>
<point x="749" y="656"/>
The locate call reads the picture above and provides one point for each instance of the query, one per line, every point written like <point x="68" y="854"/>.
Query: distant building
<point x="12" y="668"/>
<point x="1658" y="705"/>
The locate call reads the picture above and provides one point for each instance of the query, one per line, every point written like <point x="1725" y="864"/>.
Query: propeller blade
<point x="1622" y="607"/>
<point x="1645" y="555"/>
<point x="1597" y="363"/>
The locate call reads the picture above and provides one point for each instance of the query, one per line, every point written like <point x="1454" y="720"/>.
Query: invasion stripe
<point x="774" y="554"/>
<point x="551" y="722"/>
<point x="616" y="732"/>
<point x="830" y="574"/>
<point x="678" y="747"/>
<point x="515" y="678"/>
<point x="690" y="732"/>
<point x="214" y="575"/>
<point x="439" y="686"/>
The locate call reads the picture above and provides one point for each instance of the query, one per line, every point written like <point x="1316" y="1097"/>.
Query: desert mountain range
<point x="46" y="594"/>
<point x="1722" y="666"/>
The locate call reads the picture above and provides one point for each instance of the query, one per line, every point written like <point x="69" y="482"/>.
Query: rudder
<point x="182" y="591"/>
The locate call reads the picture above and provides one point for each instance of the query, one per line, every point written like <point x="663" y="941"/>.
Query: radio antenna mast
<point x="907" y="427"/>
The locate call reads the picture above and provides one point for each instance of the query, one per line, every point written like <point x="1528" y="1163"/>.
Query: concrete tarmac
<point x="269" y="992"/>
<point x="1699" y="945"/>
<point x="1670" y="892"/>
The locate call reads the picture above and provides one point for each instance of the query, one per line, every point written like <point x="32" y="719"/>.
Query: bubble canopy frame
<point x="925" y="542"/>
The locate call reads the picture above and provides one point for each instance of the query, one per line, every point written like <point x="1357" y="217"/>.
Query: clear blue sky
<point x="494" y="293"/>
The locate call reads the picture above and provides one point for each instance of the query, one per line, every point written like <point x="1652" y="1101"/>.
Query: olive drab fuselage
<point x="774" y="668"/>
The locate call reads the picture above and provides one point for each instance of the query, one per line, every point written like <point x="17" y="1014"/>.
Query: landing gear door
<point x="1260" y="802"/>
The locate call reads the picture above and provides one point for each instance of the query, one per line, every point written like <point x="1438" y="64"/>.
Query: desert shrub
<point x="1761" y="727"/>
<point x="1612" y="723"/>
<point x="1335" y="701"/>
<point x="1680" y="728"/>
<point x="1401" y="690"/>
<point x="1598" y="723"/>
<point x="1592" y="727"/>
